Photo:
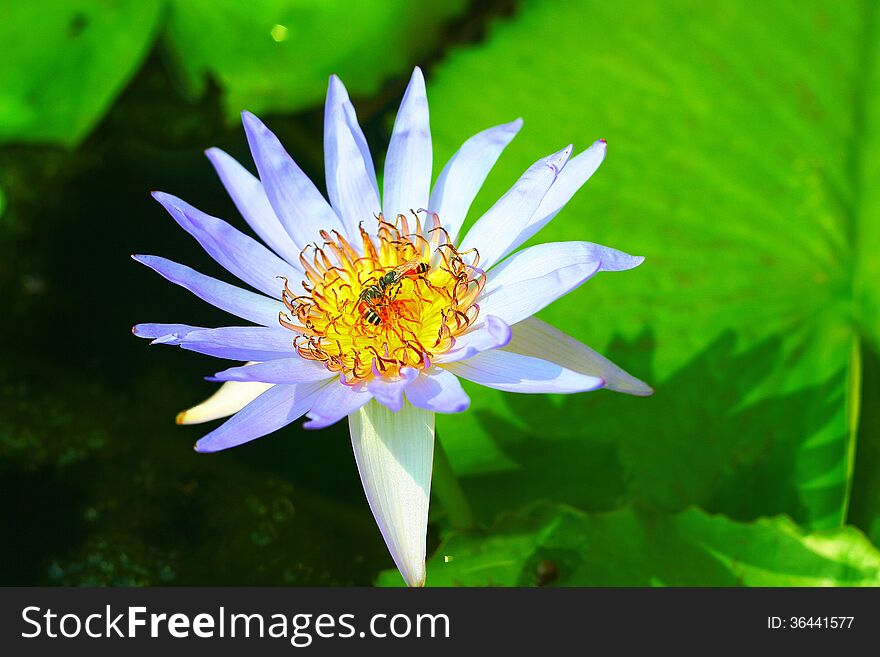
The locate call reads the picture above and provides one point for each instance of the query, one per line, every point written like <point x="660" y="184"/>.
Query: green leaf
<point x="865" y="504"/>
<point x="64" y="63"/>
<point x="276" y="55"/>
<point x="555" y="544"/>
<point x="738" y="165"/>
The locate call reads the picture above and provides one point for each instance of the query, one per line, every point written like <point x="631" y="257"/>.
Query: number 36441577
<point x="810" y="622"/>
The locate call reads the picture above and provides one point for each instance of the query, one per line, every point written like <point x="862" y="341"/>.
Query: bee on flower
<point x="371" y="307"/>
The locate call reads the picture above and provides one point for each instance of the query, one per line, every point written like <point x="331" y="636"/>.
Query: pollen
<point x="399" y="302"/>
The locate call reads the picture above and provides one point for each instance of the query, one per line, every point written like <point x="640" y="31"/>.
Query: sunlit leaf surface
<point x="63" y="63"/>
<point x="735" y="165"/>
<point x="276" y="55"/>
<point x="560" y="546"/>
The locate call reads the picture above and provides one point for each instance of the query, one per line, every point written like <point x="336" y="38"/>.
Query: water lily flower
<point x="371" y="308"/>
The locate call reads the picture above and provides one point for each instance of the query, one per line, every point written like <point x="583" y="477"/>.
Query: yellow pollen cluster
<point x="398" y="303"/>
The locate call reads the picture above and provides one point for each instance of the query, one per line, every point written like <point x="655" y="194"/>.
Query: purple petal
<point x="533" y="278"/>
<point x="275" y="408"/>
<point x="256" y="343"/>
<point x="390" y="392"/>
<point x="496" y="230"/>
<point x="439" y="391"/>
<point x="336" y="402"/>
<point x="239" y="254"/>
<point x="491" y="333"/>
<point x="297" y="202"/>
<point x="351" y="178"/>
<point x="464" y="174"/>
<point x="408" y="162"/>
<point x="571" y="178"/>
<point x="164" y="333"/>
<point x="542" y="258"/>
<point x="533" y="337"/>
<point x="281" y="370"/>
<point x="241" y="303"/>
<point x="247" y="192"/>
<point x="504" y="370"/>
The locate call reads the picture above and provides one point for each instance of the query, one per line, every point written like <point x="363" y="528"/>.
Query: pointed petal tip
<point x="214" y="154"/>
<point x="644" y="390"/>
<point x="335" y="84"/>
<point x="168" y="201"/>
<point x="558" y="160"/>
<point x="202" y="448"/>
<point x="394" y="454"/>
<point x="251" y="122"/>
<point x="180" y="418"/>
<point x="136" y="331"/>
<point x="416" y="580"/>
<point x="416" y="84"/>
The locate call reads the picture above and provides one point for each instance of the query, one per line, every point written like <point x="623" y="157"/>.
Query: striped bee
<point x="373" y="299"/>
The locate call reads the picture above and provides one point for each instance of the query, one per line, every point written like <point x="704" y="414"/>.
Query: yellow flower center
<point x="398" y="305"/>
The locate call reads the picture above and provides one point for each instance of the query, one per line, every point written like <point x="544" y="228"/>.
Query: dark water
<point x="98" y="484"/>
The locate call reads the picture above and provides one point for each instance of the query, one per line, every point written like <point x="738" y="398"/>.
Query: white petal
<point x="573" y="176"/>
<point x="504" y="370"/>
<point x="408" y="162"/>
<point x="496" y="230"/>
<point x="395" y="455"/>
<point x="464" y="174"/>
<point x="533" y="337"/>
<point x="351" y="179"/>
<point x="533" y="278"/>
<point x="230" y="398"/>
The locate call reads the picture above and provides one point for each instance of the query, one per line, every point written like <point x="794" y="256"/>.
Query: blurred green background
<point x="744" y="150"/>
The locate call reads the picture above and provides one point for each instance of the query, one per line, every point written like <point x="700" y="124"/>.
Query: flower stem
<point x="449" y="493"/>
